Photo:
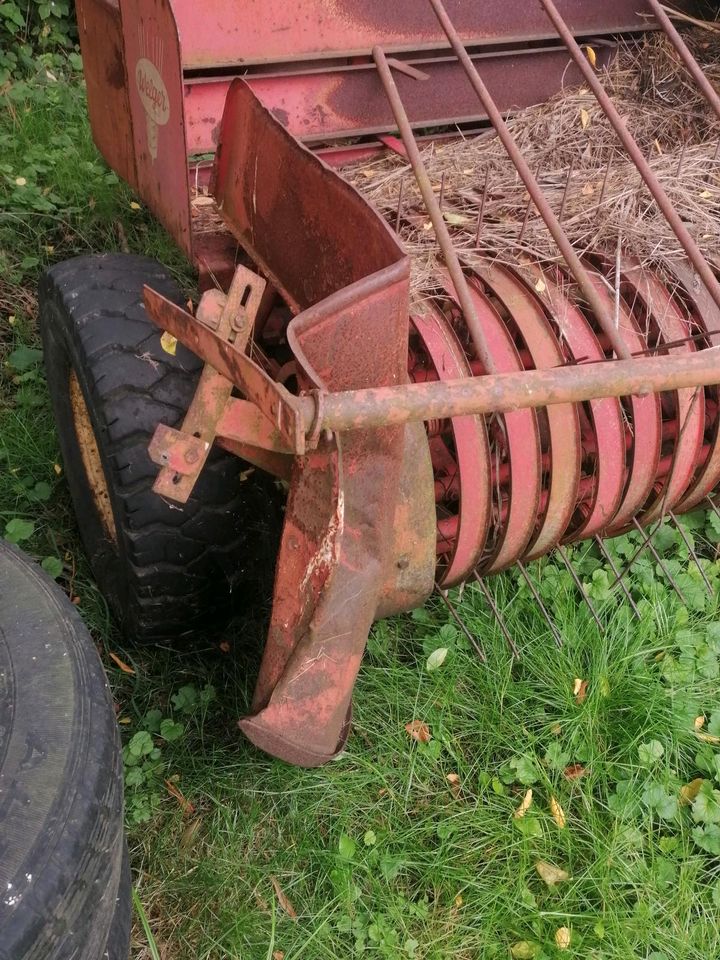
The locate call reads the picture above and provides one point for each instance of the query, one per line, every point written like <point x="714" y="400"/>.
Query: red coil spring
<point x="512" y="487"/>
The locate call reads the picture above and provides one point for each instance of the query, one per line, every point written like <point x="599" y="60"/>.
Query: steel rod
<point x="458" y="620"/>
<point x="688" y="543"/>
<point x="616" y="573"/>
<point x="503" y="392"/>
<point x="489" y="599"/>
<point x="434" y="210"/>
<point x="693" y="67"/>
<point x="580" y="588"/>
<point x="596" y="303"/>
<point x="538" y="600"/>
<point x="660" y="562"/>
<point x="621" y="129"/>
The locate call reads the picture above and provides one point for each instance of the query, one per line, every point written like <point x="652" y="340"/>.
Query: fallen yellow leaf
<point x="525" y="805"/>
<point x="707" y="737"/>
<point x="458" y="901"/>
<point x="690" y="791"/>
<point x="419" y="731"/>
<point x="283" y="899"/>
<point x="57" y="468"/>
<point x="580" y="691"/>
<point x="454" y="780"/>
<point x="20" y="181"/>
<point x="699" y="723"/>
<point x="456" y="219"/>
<point x="558" y="814"/>
<point x="562" y="938"/>
<point x="584" y="118"/>
<point x="120" y="663"/>
<point x="185" y="805"/>
<point x="189" y="833"/>
<point x="590" y="53"/>
<point x="168" y="343"/>
<point x="540" y="285"/>
<point x="551" y="874"/>
<point x="134" y="205"/>
<point x="523" y="950"/>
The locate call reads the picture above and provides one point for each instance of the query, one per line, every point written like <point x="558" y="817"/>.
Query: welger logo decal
<point x="152" y="89"/>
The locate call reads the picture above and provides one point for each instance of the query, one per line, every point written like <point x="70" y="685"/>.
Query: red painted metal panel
<point x="312" y="241"/>
<point x="260" y="31"/>
<point x="155" y="92"/>
<point x="101" y="42"/>
<point x="334" y="102"/>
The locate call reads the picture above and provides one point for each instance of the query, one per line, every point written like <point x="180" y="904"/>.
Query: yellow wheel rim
<point x="90" y="455"/>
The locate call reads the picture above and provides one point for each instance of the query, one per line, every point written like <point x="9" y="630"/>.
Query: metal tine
<point x="441" y="194"/>
<point x="538" y="599"/>
<point x="605" y="181"/>
<point x="618" y="579"/>
<point x="481" y="211"/>
<point x="490" y="600"/>
<point x="401" y="196"/>
<point x="633" y="558"/>
<point x="691" y="551"/>
<point x="442" y="233"/>
<point x="715" y="510"/>
<point x="590" y="294"/>
<point x="681" y="160"/>
<point x="660" y="562"/>
<point x="693" y="67"/>
<point x="566" y="190"/>
<point x="664" y="203"/>
<point x="578" y="583"/>
<point x="528" y="208"/>
<point x="456" y="617"/>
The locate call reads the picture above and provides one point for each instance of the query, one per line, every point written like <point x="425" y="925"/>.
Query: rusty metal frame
<point x="360" y="534"/>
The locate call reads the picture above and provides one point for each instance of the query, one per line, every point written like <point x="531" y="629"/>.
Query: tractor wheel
<point x="165" y="569"/>
<point x="64" y="880"/>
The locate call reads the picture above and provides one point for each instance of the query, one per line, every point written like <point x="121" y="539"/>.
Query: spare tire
<point x="166" y="569"/>
<point x="64" y="881"/>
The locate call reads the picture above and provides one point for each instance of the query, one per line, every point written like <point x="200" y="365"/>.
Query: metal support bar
<point x="596" y="303"/>
<point x="503" y="392"/>
<point x="651" y="181"/>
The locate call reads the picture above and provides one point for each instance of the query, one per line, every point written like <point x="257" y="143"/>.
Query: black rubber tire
<point x="173" y="568"/>
<point x="118" y="942"/>
<point x="61" y="785"/>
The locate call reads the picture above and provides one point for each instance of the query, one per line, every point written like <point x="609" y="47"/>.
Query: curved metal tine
<point x="456" y="617"/>
<point x="442" y="233"/>
<point x="661" y="198"/>
<point x="481" y="211"/>
<point x="633" y="558"/>
<point x="490" y="600"/>
<point x="538" y="599"/>
<point x="618" y="578"/>
<point x="691" y="551"/>
<point x="578" y="583"/>
<point x="691" y="64"/>
<point x="715" y="510"/>
<point x="597" y="305"/>
<point x="660" y="562"/>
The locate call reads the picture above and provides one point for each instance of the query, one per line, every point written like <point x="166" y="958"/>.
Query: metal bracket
<point x="228" y="320"/>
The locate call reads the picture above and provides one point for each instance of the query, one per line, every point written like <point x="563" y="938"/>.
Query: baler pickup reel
<point x="521" y="407"/>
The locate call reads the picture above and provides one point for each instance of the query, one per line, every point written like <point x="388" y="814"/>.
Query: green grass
<point x="379" y="854"/>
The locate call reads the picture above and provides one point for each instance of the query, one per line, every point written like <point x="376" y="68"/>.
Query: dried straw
<point x="569" y="142"/>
